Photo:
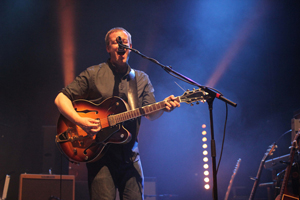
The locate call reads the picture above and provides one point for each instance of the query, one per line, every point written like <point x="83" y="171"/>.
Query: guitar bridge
<point x="69" y="135"/>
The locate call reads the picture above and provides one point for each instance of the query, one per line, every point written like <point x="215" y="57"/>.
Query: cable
<point x="222" y="147"/>
<point x="283" y="135"/>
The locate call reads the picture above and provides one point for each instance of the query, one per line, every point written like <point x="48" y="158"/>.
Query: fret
<point x="131" y="114"/>
<point x="151" y="109"/>
<point x="141" y="111"/>
<point x="128" y="115"/>
<point x="137" y="111"/>
<point x="115" y="119"/>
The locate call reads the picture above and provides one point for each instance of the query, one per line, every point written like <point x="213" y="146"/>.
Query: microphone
<point x="121" y="49"/>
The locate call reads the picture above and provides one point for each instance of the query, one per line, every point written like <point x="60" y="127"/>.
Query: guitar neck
<point x="283" y="189"/>
<point x="257" y="178"/>
<point x="138" y="112"/>
<point x="231" y="180"/>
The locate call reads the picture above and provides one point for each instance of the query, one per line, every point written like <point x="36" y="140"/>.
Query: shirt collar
<point x="113" y="68"/>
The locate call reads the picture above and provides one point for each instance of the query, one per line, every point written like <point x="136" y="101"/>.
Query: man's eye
<point x="125" y="41"/>
<point x="114" y="42"/>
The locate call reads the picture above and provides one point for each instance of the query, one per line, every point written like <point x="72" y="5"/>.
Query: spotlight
<point x="204" y="139"/>
<point x="206" y="173"/>
<point x="205" y="159"/>
<point x="206" y="186"/>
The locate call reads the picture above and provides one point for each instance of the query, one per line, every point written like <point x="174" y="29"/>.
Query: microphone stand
<point x="212" y="94"/>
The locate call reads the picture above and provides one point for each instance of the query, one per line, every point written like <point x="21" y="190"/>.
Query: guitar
<point x="284" y="194"/>
<point x="78" y="146"/>
<point x="256" y="179"/>
<point x="232" y="177"/>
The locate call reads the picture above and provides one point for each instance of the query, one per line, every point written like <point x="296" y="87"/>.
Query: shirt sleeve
<point x="79" y="88"/>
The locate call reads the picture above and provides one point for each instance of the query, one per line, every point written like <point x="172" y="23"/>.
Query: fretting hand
<point x="171" y="104"/>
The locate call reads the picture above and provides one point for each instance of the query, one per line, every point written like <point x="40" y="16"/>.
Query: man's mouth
<point x="121" y="52"/>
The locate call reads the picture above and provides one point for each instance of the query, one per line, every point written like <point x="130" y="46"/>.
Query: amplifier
<point x="46" y="187"/>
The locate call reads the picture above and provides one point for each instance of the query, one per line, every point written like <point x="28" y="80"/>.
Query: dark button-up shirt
<point x="100" y="82"/>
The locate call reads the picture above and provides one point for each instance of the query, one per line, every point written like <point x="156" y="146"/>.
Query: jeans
<point x="105" y="177"/>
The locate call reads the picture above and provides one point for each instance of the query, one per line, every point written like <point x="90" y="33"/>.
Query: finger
<point x="177" y="104"/>
<point x="94" y="126"/>
<point x="170" y="98"/>
<point x="95" y="130"/>
<point x="168" y="108"/>
<point x="173" y="104"/>
<point x="168" y="104"/>
<point x="94" y="121"/>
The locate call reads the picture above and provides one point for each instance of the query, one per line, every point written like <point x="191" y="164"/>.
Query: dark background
<point x="257" y="40"/>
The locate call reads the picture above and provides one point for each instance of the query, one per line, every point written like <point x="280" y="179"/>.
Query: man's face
<point x="112" y="49"/>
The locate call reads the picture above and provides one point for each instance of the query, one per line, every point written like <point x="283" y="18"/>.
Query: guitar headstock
<point x="296" y="141"/>
<point x="270" y="151"/>
<point x="195" y="95"/>
<point x="237" y="165"/>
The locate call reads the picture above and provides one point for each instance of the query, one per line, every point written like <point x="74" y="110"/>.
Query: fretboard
<point x="138" y="112"/>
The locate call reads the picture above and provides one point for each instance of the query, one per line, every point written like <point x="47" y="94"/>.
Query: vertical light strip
<point x="205" y="158"/>
<point x="66" y="18"/>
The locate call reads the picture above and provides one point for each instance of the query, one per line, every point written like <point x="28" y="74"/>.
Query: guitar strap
<point x="132" y="91"/>
<point x="133" y="103"/>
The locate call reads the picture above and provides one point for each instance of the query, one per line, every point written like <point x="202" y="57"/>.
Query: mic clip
<point x="122" y="47"/>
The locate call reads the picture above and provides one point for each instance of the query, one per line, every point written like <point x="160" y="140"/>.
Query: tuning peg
<point x="197" y="102"/>
<point x="192" y="104"/>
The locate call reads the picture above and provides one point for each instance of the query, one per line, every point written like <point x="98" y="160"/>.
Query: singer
<point x="120" y="168"/>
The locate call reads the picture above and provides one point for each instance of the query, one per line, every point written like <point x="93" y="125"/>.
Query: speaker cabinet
<point x="46" y="187"/>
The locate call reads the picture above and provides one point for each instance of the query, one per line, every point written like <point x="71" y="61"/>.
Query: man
<point x="120" y="167"/>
